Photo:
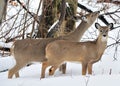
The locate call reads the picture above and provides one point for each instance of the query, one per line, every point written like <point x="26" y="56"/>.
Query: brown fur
<point x="29" y="50"/>
<point x="85" y="52"/>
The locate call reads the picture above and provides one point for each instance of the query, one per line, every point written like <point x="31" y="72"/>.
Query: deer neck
<point x="101" y="44"/>
<point x="77" y="34"/>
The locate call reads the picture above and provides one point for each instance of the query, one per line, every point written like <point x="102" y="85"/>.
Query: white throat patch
<point x="104" y="39"/>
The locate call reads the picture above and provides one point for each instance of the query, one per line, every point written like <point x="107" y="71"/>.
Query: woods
<point x="35" y="34"/>
<point x="22" y="20"/>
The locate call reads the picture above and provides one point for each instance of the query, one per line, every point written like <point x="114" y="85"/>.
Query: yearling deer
<point x="85" y="52"/>
<point x="29" y="50"/>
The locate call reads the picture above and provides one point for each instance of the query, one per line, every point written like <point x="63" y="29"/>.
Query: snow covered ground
<point x="106" y="72"/>
<point x="30" y="76"/>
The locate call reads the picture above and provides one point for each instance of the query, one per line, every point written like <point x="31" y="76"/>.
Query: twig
<point x="87" y="80"/>
<point x="32" y="14"/>
<point x="84" y="8"/>
<point x="101" y="17"/>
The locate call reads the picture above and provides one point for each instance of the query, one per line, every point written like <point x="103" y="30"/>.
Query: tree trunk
<point x="51" y="13"/>
<point x="68" y="24"/>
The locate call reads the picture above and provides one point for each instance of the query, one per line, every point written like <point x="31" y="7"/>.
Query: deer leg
<point x="89" y="68"/>
<point x="60" y="68"/>
<point x="52" y="70"/>
<point x="90" y="65"/>
<point x="64" y="68"/>
<point x="44" y="66"/>
<point x="17" y="74"/>
<point x="13" y="71"/>
<point x="84" y="68"/>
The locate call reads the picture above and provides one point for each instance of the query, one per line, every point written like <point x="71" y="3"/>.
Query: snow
<point x="56" y="22"/>
<point x="7" y="63"/>
<point x="106" y="72"/>
<point x="30" y="76"/>
<point x="2" y="44"/>
<point x="66" y="81"/>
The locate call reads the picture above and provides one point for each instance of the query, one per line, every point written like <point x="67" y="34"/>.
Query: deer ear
<point x="97" y="25"/>
<point x="110" y="26"/>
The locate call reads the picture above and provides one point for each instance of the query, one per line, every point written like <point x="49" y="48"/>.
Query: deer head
<point x="90" y="18"/>
<point x="103" y="30"/>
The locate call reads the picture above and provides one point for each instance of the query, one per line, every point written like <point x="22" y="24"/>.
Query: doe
<point x="87" y="53"/>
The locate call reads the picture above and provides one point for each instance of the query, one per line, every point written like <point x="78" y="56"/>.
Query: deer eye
<point x="101" y="30"/>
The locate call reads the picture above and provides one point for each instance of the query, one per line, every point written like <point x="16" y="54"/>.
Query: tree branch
<point x="12" y="39"/>
<point x="32" y="14"/>
<point x="5" y="49"/>
<point x="117" y="2"/>
<point x="84" y="8"/>
<point x="101" y="17"/>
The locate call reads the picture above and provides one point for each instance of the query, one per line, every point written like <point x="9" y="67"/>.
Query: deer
<point x="33" y="50"/>
<point x="87" y="53"/>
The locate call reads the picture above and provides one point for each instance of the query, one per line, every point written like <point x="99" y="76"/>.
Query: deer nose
<point x="97" y="11"/>
<point x="104" y="35"/>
